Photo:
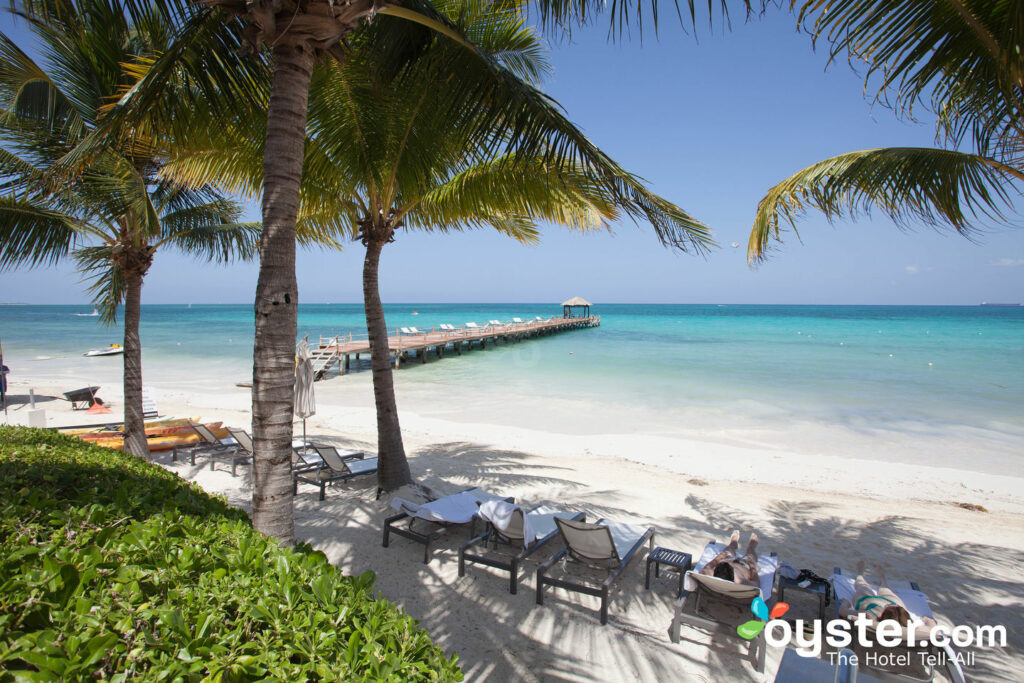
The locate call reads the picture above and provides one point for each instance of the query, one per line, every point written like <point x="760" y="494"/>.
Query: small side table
<point x="822" y="590"/>
<point x="670" y="558"/>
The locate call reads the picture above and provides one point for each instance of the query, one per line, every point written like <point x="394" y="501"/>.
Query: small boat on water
<point x="112" y="350"/>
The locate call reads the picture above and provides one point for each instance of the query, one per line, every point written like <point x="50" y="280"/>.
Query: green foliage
<point x="113" y="568"/>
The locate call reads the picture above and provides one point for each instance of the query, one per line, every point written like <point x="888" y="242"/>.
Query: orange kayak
<point x="163" y="442"/>
<point x="150" y="427"/>
<point x="161" y="430"/>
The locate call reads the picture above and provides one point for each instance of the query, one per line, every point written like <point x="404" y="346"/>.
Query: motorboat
<point x="112" y="350"/>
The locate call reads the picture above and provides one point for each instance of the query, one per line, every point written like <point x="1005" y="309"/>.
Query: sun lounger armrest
<point x="550" y="562"/>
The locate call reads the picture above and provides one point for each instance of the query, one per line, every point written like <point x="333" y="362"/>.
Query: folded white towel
<point x="458" y="508"/>
<point x="499" y="513"/>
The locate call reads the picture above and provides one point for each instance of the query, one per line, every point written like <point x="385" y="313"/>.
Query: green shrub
<point x="113" y="568"/>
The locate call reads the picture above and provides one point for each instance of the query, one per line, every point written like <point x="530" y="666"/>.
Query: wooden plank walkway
<point x="406" y="342"/>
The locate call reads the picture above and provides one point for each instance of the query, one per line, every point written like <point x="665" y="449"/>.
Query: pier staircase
<point x="324" y="359"/>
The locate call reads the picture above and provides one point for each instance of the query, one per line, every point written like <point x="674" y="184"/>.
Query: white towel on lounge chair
<point x="499" y="513"/>
<point x="916" y="601"/>
<point x="767" y="565"/>
<point x="458" y="508"/>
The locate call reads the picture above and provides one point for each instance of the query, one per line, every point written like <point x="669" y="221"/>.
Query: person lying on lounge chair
<point x="727" y="565"/>
<point x="879" y="605"/>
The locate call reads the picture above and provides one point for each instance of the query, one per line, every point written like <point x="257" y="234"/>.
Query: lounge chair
<point x="540" y="319"/>
<point x="509" y="524"/>
<point x="245" y="448"/>
<point x="210" y="445"/>
<point x="606" y="545"/>
<point x="446" y="327"/>
<point x="472" y="326"/>
<point x="444" y="513"/>
<point x="517" y="321"/>
<point x="909" y="663"/>
<point x="336" y="467"/>
<point x="717" y="605"/>
<point x="415" y="330"/>
<point x="404" y="330"/>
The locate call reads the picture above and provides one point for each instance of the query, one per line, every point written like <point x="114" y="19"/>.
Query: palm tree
<point x="115" y="214"/>
<point x="426" y="158"/>
<point x="960" y="59"/>
<point x="300" y="35"/>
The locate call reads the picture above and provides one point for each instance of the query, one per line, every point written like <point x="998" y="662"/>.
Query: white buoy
<point x="890" y="355"/>
<point x="929" y="365"/>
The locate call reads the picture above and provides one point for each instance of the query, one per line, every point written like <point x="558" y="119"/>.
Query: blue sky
<point x="711" y="124"/>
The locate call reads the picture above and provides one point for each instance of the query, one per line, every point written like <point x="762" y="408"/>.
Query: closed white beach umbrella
<point x="305" y="402"/>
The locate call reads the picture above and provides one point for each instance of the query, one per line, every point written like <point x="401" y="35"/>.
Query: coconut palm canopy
<point x="114" y="214"/>
<point x="962" y="60"/>
<point x="577" y="301"/>
<point x="404" y="142"/>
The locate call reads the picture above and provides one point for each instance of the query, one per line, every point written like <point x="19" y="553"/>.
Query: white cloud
<point x="912" y="270"/>
<point x="1007" y="262"/>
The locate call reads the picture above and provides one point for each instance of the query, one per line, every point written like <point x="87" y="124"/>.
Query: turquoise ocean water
<point x="703" y="364"/>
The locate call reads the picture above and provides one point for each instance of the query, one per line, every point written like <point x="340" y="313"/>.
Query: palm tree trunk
<point x="277" y="296"/>
<point x="393" y="468"/>
<point x="134" y="425"/>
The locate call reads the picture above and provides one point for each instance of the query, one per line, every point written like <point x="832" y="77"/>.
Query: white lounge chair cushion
<point x="363" y="466"/>
<point x="767" y="565"/>
<point x="916" y="601"/>
<point x="458" y="508"/>
<point x="625" y="536"/>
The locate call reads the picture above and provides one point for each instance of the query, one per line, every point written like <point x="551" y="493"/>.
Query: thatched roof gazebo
<point x="569" y="307"/>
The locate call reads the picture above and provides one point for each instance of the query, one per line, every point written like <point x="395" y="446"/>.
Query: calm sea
<point x="703" y="366"/>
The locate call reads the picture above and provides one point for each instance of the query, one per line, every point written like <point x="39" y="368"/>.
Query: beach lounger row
<point x="606" y="546"/>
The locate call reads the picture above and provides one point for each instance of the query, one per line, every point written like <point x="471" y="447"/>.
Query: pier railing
<point x="420" y="337"/>
<point x="338" y="349"/>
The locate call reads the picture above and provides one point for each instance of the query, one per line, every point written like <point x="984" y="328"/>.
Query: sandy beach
<point x="816" y="511"/>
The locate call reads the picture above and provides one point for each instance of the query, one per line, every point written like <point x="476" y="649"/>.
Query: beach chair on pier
<point x="712" y="604"/>
<point x="904" y="664"/>
<point x="404" y="330"/>
<point x="472" y="326"/>
<point x="440" y="514"/>
<point x="606" y="546"/>
<point x="525" y="531"/>
<point x="517" y="321"/>
<point x="336" y="466"/>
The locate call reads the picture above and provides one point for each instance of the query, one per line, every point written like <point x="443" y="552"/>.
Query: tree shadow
<point x="11" y="400"/>
<point x="500" y="637"/>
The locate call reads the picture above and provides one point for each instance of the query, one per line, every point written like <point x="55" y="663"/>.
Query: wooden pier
<point x="412" y="342"/>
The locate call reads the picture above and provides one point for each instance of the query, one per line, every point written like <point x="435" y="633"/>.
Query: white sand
<point x="816" y="510"/>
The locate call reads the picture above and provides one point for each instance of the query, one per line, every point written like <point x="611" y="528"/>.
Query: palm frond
<point x="32" y="234"/>
<point x="218" y="242"/>
<point x="97" y="264"/>
<point x="936" y="187"/>
<point x="963" y="51"/>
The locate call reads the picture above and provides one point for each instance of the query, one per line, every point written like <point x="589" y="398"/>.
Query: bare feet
<point x="862" y="567"/>
<point x="752" y="544"/>
<point x="735" y="538"/>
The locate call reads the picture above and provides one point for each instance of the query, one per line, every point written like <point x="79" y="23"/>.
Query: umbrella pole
<point x="303" y="434"/>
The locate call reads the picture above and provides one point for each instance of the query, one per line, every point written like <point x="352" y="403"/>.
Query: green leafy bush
<point x="113" y="568"/>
